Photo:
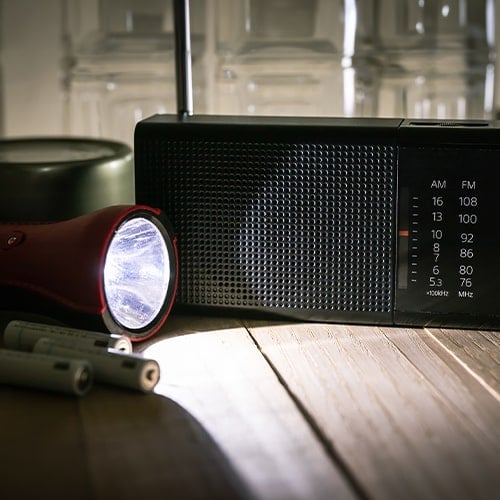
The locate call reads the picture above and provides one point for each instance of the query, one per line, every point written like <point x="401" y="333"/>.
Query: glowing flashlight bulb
<point x="136" y="273"/>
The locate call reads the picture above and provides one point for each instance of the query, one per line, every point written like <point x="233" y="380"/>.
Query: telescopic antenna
<point x="183" y="70"/>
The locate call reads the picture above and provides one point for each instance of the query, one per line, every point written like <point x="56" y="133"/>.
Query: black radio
<point x="355" y="220"/>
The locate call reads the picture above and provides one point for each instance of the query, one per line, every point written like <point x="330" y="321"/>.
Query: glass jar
<point x="125" y="70"/>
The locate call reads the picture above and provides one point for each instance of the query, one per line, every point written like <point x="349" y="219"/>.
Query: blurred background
<point x="94" y="68"/>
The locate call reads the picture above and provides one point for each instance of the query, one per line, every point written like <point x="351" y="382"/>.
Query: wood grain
<point x="478" y="351"/>
<point x="271" y="411"/>
<point x="147" y="446"/>
<point x="41" y="443"/>
<point x="223" y="427"/>
<point x="213" y="370"/>
<point x="463" y="391"/>
<point x="109" y="444"/>
<point x="397" y="414"/>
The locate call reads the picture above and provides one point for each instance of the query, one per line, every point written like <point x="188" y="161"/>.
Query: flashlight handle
<point x="60" y="261"/>
<point x="41" y="371"/>
<point x="22" y="335"/>
<point x="110" y="367"/>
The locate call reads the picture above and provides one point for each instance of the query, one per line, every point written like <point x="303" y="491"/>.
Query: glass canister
<point x="436" y="58"/>
<point x="124" y="71"/>
<point x="278" y="57"/>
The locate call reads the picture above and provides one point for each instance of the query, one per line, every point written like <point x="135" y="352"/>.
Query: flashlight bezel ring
<point x="161" y="223"/>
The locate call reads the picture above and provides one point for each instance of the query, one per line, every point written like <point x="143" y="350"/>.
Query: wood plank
<point x="41" y="441"/>
<point x="111" y="443"/>
<point x="464" y="391"/>
<point x="147" y="446"/>
<point x="213" y="370"/>
<point x="478" y="351"/>
<point x="223" y="427"/>
<point x="403" y="434"/>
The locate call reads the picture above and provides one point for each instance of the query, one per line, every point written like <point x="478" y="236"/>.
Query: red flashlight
<point x="115" y="268"/>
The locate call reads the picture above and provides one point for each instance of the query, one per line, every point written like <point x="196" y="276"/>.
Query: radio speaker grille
<point x="272" y="226"/>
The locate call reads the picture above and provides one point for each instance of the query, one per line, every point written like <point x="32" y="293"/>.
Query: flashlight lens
<point x="136" y="273"/>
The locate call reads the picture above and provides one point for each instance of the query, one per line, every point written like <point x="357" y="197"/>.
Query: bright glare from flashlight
<point x="136" y="273"/>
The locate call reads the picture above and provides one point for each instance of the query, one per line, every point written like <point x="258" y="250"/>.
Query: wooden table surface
<point x="271" y="410"/>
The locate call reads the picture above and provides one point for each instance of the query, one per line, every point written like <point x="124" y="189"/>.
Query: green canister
<point x="55" y="178"/>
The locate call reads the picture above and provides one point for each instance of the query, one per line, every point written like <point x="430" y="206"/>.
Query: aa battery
<point x="42" y="371"/>
<point x="110" y="366"/>
<point x="22" y="335"/>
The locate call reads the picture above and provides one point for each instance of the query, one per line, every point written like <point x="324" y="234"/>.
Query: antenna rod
<point x="183" y="71"/>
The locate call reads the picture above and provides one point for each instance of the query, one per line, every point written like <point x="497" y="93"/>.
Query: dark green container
<point x="50" y="179"/>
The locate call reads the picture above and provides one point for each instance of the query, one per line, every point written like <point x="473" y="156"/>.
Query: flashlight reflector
<point x="136" y="273"/>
